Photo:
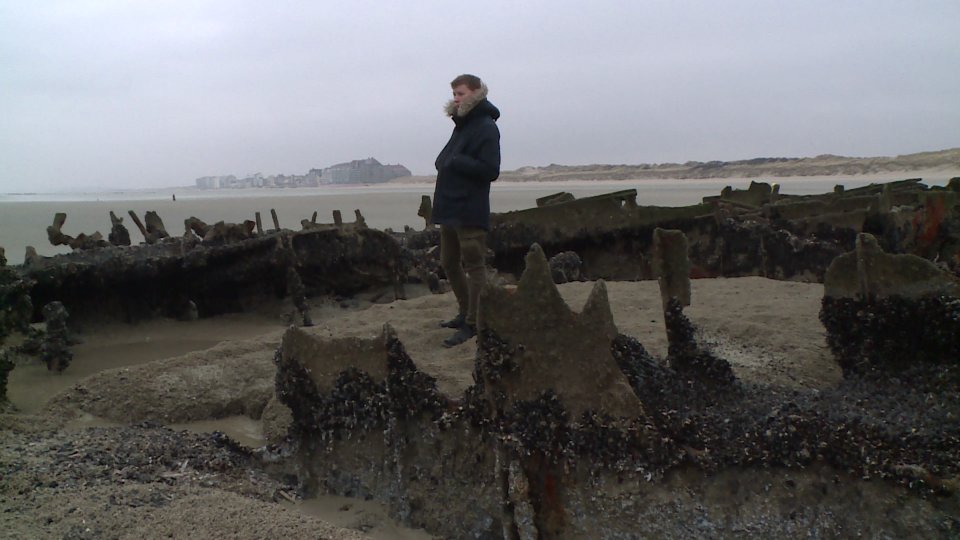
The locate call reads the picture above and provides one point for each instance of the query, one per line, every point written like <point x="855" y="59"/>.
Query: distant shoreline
<point x="930" y="176"/>
<point x="936" y="166"/>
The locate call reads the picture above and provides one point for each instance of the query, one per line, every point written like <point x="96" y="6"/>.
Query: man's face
<point x="461" y="93"/>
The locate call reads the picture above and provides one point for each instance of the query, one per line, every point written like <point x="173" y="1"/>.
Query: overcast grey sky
<point x="123" y="93"/>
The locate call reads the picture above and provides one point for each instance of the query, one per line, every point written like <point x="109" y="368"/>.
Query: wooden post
<point x="138" y="223"/>
<point x="426" y="211"/>
<point x="672" y="265"/>
<point x="337" y="218"/>
<point x="276" y="222"/>
<point x="259" y="225"/>
<point x="58" y="220"/>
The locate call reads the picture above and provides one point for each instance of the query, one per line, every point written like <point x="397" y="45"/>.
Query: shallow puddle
<point x="31" y="385"/>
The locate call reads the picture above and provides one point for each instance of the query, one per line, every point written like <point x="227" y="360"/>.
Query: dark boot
<point x="455" y="322"/>
<point x="463" y="334"/>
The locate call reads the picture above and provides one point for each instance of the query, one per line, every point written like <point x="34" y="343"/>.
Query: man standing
<point x="461" y="199"/>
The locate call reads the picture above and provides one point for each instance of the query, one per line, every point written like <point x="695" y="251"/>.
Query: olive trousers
<point x="463" y="258"/>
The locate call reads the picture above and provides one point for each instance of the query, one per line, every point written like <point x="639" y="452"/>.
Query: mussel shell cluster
<point x="892" y="333"/>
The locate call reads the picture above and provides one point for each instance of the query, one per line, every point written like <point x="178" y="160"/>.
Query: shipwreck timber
<point x="227" y="269"/>
<point x="572" y="430"/>
<point x="752" y="232"/>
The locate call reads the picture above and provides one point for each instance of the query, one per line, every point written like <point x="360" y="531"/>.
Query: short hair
<point x="472" y="81"/>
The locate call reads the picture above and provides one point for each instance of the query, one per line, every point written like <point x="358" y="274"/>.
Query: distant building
<point x="258" y="180"/>
<point x="360" y="171"/>
<point x="363" y="171"/>
<point x="314" y="178"/>
<point x="216" y="182"/>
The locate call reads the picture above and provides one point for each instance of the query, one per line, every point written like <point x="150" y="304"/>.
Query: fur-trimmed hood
<point x="468" y="163"/>
<point x="468" y="104"/>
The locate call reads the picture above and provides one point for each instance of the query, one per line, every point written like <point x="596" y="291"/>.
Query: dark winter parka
<point x="467" y="164"/>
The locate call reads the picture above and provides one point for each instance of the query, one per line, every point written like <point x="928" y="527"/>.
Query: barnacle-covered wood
<point x="164" y="279"/>
<point x="552" y="347"/>
<point x="890" y="311"/>
<point x="560" y="439"/>
<point x="754" y="232"/>
<point x="337" y="384"/>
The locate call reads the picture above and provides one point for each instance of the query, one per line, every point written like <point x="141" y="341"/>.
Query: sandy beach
<point x="217" y="375"/>
<point x="712" y="259"/>
<point x="153" y="428"/>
